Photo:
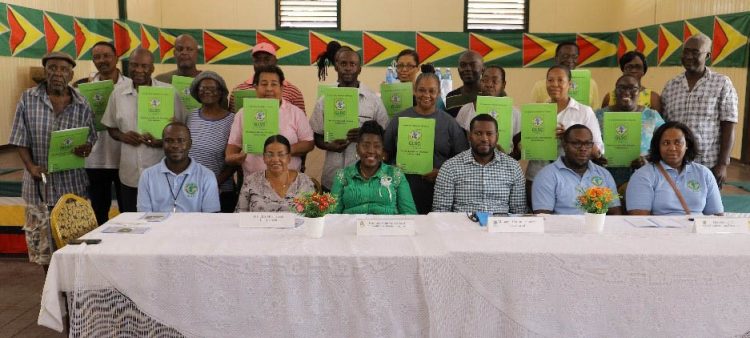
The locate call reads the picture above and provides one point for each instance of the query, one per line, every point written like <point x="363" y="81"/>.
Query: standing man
<point x="103" y="163"/>
<point x="470" y="69"/>
<point x="706" y="102"/>
<point x="137" y="151"/>
<point x="178" y="183"/>
<point x="341" y="153"/>
<point x="566" y="54"/>
<point x="52" y="105"/>
<point x="481" y="178"/>
<point x="186" y="56"/>
<point x="264" y="54"/>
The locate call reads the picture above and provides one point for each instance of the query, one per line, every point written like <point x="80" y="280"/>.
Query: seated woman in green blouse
<point x="370" y="186"/>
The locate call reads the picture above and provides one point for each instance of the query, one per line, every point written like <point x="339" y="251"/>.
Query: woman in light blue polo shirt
<point x="673" y="147"/>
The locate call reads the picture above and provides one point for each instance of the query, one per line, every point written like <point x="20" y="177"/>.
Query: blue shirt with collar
<point x="195" y="189"/>
<point x="556" y="187"/>
<point x="649" y="190"/>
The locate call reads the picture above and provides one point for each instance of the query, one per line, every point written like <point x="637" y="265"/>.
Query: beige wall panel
<point x="145" y="11"/>
<point x="403" y="15"/>
<point x="674" y="10"/>
<point x="222" y="14"/>
<point x="83" y="8"/>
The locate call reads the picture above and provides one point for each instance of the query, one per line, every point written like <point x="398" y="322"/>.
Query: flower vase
<point x="594" y="223"/>
<point x="314" y="226"/>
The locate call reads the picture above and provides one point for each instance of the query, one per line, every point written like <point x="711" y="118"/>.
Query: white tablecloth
<point x="202" y="275"/>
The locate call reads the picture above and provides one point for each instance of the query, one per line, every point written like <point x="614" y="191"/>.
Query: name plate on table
<point x="266" y="220"/>
<point x="721" y="225"/>
<point x="385" y="226"/>
<point x="533" y="224"/>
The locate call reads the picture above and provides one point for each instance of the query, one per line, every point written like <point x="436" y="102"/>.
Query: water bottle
<point x="438" y="73"/>
<point x="390" y="75"/>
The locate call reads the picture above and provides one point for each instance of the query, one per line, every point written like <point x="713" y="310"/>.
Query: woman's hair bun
<point x="428" y="68"/>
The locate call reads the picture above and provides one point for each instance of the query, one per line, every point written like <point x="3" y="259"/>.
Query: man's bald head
<point x="186" y="52"/>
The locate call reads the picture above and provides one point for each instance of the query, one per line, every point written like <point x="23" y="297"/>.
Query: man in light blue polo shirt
<point x="557" y="185"/>
<point x="177" y="183"/>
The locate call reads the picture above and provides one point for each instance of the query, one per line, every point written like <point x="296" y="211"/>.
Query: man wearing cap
<point x="264" y="54"/>
<point x="137" y="151"/>
<point x="103" y="163"/>
<point x="186" y="56"/>
<point x="52" y="105"/>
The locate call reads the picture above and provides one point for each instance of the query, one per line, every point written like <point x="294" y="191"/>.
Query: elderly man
<point x="341" y="153"/>
<point x="556" y="186"/>
<point x="264" y="54"/>
<point x="137" y="151"/>
<point x="52" y="105"/>
<point x="481" y="178"/>
<point x="103" y="163"/>
<point x="178" y="183"/>
<point x="566" y="54"/>
<point x="706" y="102"/>
<point x="470" y="69"/>
<point x="186" y="56"/>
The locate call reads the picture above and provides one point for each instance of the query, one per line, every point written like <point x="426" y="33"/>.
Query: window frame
<point x="338" y="19"/>
<point x="525" y="28"/>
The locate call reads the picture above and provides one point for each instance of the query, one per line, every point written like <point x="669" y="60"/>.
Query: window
<point x="496" y="15"/>
<point x="307" y="13"/>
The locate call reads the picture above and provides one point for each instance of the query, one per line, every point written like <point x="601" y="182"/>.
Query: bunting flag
<point x="55" y="35"/>
<point x="726" y="40"/>
<point x="125" y="38"/>
<point x="490" y="49"/>
<point x="377" y="49"/>
<point x="28" y="32"/>
<point x="220" y="47"/>
<point x="284" y="47"/>
<point x="537" y="50"/>
<point x="86" y="37"/>
<point x="23" y="34"/>
<point x="432" y="49"/>
<point x="593" y="49"/>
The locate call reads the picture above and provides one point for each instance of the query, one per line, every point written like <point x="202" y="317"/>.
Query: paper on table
<point x="125" y="230"/>
<point x="656" y="222"/>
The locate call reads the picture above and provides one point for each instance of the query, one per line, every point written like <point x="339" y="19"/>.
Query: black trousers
<point x="228" y="201"/>
<point x="100" y="191"/>
<point x="422" y="191"/>
<point x="129" y="199"/>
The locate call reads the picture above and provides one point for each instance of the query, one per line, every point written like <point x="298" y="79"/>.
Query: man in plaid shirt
<point x="481" y="178"/>
<point x="705" y="101"/>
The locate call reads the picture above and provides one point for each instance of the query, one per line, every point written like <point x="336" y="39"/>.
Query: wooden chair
<point x="318" y="187"/>
<point x="72" y="217"/>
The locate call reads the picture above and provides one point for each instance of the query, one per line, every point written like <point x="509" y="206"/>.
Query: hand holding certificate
<point x="415" y="145"/>
<point x="622" y="137"/>
<point x="61" y="146"/>
<point x="155" y="109"/>
<point x="538" y="124"/>
<point x="260" y="120"/>
<point x="340" y="112"/>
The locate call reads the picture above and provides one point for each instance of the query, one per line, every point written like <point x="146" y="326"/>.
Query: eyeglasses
<point x="692" y="51"/>
<point x="275" y="155"/>
<point x="581" y="145"/>
<point x="402" y="66"/>
<point x="632" y="89"/>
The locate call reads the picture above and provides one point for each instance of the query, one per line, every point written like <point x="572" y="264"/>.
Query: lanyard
<point x="174" y="196"/>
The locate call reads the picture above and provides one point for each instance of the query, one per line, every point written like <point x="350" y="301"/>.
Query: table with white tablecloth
<point x="201" y="275"/>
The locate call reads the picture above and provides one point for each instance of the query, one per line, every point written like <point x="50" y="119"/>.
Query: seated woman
<point x="370" y="186"/>
<point x="274" y="188"/>
<point x="626" y="96"/>
<point x="634" y="63"/>
<point x="650" y="191"/>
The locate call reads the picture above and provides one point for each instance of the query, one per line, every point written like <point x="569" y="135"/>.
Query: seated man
<point x="177" y="183"/>
<point x="481" y="178"/>
<point x="557" y="185"/>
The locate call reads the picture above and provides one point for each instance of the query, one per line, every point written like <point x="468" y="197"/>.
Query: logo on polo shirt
<point x="191" y="189"/>
<point x="597" y="180"/>
<point x="694" y="185"/>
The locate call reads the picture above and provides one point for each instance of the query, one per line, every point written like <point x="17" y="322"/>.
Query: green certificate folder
<point x="396" y="96"/>
<point x="241" y="95"/>
<point x="538" y="125"/>
<point x="622" y="137"/>
<point x="501" y="108"/>
<point x="155" y="109"/>
<point x="322" y="88"/>
<point x="181" y="85"/>
<point x="579" y="86"/>
<point x="97" y="94"/>
<point x="61" y="145"/>
<point x="340" y="112"/>
<point x="260" y="119"/>
<point x="416" y="145"/>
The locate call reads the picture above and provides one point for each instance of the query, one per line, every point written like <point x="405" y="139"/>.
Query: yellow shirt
<point x="539" y="93"/>
<point x="644" y="98"/>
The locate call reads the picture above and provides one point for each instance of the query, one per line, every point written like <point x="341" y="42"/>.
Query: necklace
<point x="174" y="196"/>
<point x="284" y="184"/>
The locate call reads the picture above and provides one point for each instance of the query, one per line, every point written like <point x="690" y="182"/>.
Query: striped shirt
<point x="712" y="101"/>
<point x="289" y="92"/>
<point x="209" y="143"/>
<point x="33" y="125"/>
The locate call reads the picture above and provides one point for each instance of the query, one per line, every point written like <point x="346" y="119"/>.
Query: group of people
<point x="686" y="141"/>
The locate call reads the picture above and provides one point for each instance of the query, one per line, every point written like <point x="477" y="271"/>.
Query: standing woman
<point x="370" y="186"/>
<point x="407" y="69"/>
<point x="210" y="125"/>
<point x="634" y="63"/>
<point x="449" y="137"/>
